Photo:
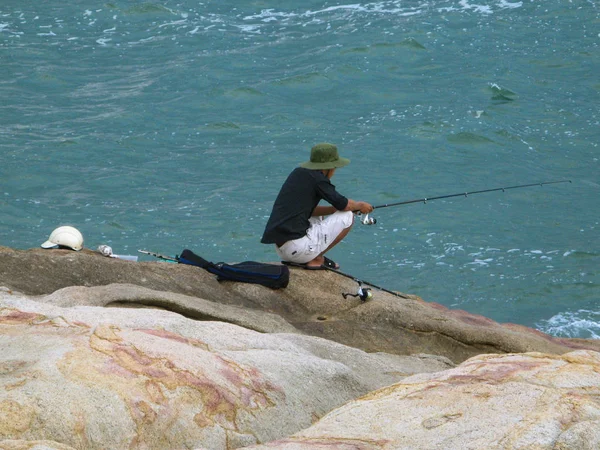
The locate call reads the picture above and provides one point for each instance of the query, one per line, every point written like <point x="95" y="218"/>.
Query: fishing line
<point x="372" y="221"/>
<point x="364" y="293"/>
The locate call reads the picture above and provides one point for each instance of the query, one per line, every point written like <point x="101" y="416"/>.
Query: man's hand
<point x="363" y="207"/>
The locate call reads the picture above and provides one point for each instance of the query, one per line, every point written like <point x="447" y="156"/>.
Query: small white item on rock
<point x="105" y="250"/>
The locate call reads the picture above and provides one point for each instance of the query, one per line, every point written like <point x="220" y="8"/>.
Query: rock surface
<point x="526" y="401"/>
<point x="12" y="444"/>
<point x="129" y="295"/>
<point x="101" y="353"/>
<point x="312" y="304"/>
<point x="96" y="378"/>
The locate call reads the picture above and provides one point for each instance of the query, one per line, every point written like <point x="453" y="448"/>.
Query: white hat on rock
<point x="65" y="237"/>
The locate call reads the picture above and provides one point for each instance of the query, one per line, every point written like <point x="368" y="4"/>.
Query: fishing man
<point x="301" y="229"/>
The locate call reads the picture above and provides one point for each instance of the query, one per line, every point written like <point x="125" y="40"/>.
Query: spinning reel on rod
<point x="368" y="220"/>
<point x="363" y="293"/>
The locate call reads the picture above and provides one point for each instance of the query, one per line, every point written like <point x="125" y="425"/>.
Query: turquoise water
<point x="170" y="125"/>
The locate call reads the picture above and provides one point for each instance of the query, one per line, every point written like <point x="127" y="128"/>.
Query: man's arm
<point x="324" y="210"/>
<point x="352" y="205"/>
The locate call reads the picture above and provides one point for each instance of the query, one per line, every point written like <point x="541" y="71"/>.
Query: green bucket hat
<point x="325" y="156"/>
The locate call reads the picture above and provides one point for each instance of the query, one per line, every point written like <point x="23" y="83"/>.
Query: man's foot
<point x="319" y="263"/>
<point x="322" y="262"/>
<point x="303" y="266"/>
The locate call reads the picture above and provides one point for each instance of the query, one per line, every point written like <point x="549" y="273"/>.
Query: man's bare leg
<point x="320" y="260"/>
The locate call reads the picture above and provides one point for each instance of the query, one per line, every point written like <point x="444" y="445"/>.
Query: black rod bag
<point x="271" y="275"/>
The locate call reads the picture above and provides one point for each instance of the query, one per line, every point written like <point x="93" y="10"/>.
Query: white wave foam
<point x="481" y="262"/>
<point x="268" y="15"/>
<point x="175" y="22"/>
<point x="249" y="28"/>
<point x="509" y="5"/>
<point x="478" y="8"/>
<point x="394" y="7"/>
<point x="579" y="324"/>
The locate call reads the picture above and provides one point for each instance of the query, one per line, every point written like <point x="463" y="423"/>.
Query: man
<point x="301" y="229"/>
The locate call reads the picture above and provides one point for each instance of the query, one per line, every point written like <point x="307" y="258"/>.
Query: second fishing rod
<point x="366" y="220"/>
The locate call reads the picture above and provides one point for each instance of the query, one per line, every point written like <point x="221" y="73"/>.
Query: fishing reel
<point x="363" y="293"/>
<point x="368" y="220"/>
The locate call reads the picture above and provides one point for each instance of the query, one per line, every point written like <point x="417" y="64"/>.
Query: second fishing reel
<point x="363" y="293"/>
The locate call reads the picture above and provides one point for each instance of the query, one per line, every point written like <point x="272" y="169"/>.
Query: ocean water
<point x="170" y="125"/>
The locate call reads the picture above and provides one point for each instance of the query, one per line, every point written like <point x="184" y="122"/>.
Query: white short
<point x="322" y="232"/>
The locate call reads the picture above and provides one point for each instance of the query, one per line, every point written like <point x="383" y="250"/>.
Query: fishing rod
<point x="371" y="220"/>
<point x="173" y="259"/>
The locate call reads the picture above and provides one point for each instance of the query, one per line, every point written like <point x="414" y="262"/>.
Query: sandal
<point x="330" y="263"/>
<point x="303" y="266"/>
<point x="327" y="264"/>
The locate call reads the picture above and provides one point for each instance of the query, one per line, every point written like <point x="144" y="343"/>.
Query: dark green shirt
<point x="297" y="199"/>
